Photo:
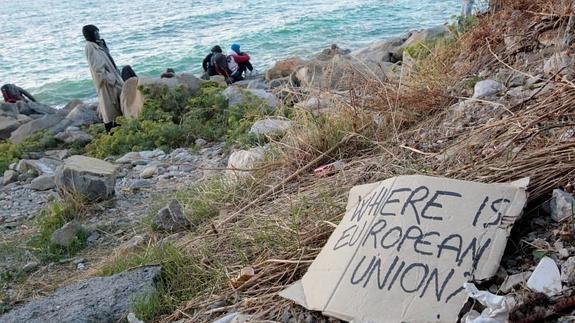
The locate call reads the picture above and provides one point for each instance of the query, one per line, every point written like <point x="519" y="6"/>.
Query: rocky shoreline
<point x="146" y="186"/>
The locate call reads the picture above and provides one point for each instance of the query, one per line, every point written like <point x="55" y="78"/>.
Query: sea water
<point x="42" y="47"/>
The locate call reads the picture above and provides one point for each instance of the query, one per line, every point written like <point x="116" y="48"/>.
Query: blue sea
<point x="42" y="48"/>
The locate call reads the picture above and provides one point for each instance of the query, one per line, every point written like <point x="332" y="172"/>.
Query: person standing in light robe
<point x="107" y="79"/>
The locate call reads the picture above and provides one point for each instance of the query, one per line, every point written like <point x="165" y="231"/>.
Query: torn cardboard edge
<point x="406" y="246"/>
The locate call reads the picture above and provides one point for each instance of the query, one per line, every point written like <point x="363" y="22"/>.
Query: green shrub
<point x="183" y="276"/>
<point x="10" y="153"/>
<point x="52" y="218"/>
<point x="172" y="119"/>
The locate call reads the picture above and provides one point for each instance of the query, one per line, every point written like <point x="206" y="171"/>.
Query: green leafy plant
<point x="52" y="218"/>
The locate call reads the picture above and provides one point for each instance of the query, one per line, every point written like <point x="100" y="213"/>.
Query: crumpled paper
<point x="497" y="307"/>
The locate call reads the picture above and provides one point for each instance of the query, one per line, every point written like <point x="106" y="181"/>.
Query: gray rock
<point x="66" y="235"/>
<point x="32" y="108"/>
<point x="10" y="176"/>
<point x="149" y="172"/>
<point x="43" y="183"/>
<point x="39" y="166"/>
<point x="7" y="126"/>
<point x="270" y="127"/>
<point x="73" y="136"/>
<point x="172" y="218"/>
<point x="150" y="154"/>
<point x="487" y="88"/>
<point x="9" y="110"/>
<point x="28" y="129"/>
<point x="137" y="242"/>
<point x="129" y="158"/>
<point x="83" y="115"/>
<point x="568" y="271"/>
<point x="140" y="184"/>
<point x="31" y="266"/>
<point x="201" y="142"/>
<point x="236" y="96"/>
<point x="99" y="299"/>
<point x="561" y="205"/>
<point x="90" y="178"/>
<point x="57" y="154"/>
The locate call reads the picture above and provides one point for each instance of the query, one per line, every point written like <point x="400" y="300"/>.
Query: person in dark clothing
<point x="207" y="65"/>
<point x="127" y="73"/>
<point x="107" y="79"/>
<point x="168" y="74"/>
<point x="13" y="93"/>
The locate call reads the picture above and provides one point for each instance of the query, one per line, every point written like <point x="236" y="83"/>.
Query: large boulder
<point x="132" y="98"/>
<point x="42" y="166"/>
<point x="90" y="178"/>
<point x="47" y="122"/>
<point x="270" y="127"/>
<point x="236" y="96"/>
<point x="34" y="108"/>
<point x="73" y="135"/>
<point x="283" y="68"/>
<point x="83" y="115"/>
<point x="8" y="124"/>
<point x="99" y="299"/>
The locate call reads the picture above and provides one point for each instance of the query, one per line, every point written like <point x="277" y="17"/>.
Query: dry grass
<point x="281" y="232"/>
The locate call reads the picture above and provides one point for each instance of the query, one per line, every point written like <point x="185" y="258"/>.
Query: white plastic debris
<point x="546" y="278"/>
<point x="497" y="307"/>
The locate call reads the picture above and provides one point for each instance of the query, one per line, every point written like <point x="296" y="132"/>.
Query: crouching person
<point x="107" y="79"/>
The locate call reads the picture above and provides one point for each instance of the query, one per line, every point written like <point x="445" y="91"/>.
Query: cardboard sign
<point x="406" y="246"/>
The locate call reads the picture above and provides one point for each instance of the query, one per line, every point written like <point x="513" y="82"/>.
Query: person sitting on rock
<point x="168" y="74"/>
<point x="219" y="63"/>
<point x="208" y="66"/>
<point x="13" y="93"/>
<point x="107" y="79"/>
<point x="238" y="62"/>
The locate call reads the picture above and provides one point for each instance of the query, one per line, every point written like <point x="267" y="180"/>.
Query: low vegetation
<point x="10" y="153"/>
<point x="173" y="119"/>
<point x="50" y="219"/>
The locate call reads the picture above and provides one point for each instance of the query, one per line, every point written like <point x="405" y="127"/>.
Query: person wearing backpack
<point x="238" y="62"/>
<point x="13" y="93"/>
<point x="107" y="79"/>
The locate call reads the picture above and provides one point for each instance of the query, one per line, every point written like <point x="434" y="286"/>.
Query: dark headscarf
<point x="216" y="49"/>
<point x="89" y="32"/>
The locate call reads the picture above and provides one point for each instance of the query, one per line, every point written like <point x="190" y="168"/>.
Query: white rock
<point x="487" y="88"/>
<point x="270" y="127"/>
<point x="546" y="278"/>
<point x="236" y="96"/>
<point x="561" y="205"/>
<point x="243" y="160"/>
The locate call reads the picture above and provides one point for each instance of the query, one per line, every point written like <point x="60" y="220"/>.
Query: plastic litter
<point x="546" y="278"/>
<point x="497" y="307"/>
